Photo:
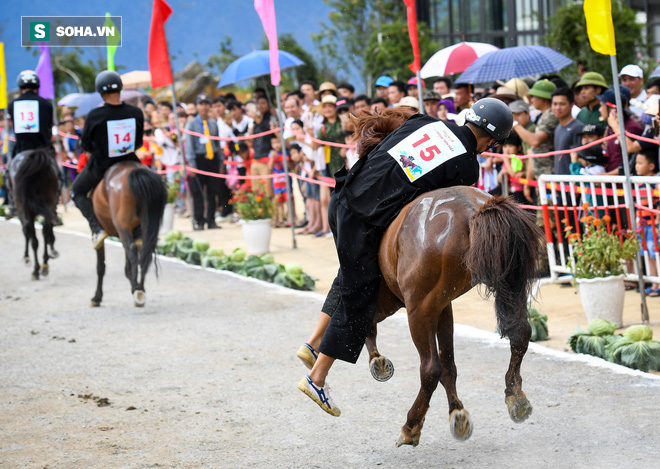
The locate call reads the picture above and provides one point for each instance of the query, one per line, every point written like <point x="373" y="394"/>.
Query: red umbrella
<point x="455" y="59"/>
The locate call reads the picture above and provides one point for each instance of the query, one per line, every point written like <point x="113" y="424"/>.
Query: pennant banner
<point x="111" y="42"/>
<point x="159" y="59"/>
<point x="3" y="78"/>
<point x="411" y="12"/>
<point x="45" y="73"/>
<point x="266" y="11"/>
<point x="600" y="29"/>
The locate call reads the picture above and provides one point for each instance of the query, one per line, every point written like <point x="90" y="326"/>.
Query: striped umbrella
<point x="513" y="62"/>
<point x="454" y="59"/>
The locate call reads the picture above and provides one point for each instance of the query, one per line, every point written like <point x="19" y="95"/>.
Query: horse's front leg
<point x="31" y="237"/>
<point x="422" y="331"/>
<point x="519" y="407"/>
<point x="100" y="272"/>
<point x="460" y="423"/>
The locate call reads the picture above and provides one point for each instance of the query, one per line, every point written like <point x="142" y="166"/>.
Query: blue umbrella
<point x="514" y="62"/>
<point x="71" y="99"/>
<point x="254" y="65"/>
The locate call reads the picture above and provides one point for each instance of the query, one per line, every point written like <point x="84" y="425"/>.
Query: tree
<point x="292" y="78"/>
<point x="352" y="23"/>
<point x="568" y="34"/>
<point x="219" y="62"/>
<point x="390" y="51"/>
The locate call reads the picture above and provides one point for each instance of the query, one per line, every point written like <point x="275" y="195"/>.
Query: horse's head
<point x="372" y="128"/>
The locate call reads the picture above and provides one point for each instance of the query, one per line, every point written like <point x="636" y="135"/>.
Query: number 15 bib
<point x="121" y="137"/>
<point x="26" y="119"/>
<point x="426" y="149"/>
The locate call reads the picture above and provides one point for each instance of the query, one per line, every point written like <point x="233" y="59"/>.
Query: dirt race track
<point x="205" y="377"/>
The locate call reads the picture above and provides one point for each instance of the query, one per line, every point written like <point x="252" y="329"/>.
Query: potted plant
<point x="168" y="213"/>
<point x="596" y="260"/>
<point x="256" y="210"/>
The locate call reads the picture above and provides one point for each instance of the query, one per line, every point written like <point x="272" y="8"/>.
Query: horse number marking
<point x="426" y="203"/>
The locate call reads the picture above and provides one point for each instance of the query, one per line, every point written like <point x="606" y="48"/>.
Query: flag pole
<point x="627" y="186"/>
<point x="420" y="91"/>
<point x="182" y="159"/>
<point x="289" y="189"/>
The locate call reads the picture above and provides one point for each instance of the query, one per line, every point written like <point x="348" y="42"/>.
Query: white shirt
<point x="170" y="155"/>
<point x="224" y="131"/>
<point x="637" y="104"/>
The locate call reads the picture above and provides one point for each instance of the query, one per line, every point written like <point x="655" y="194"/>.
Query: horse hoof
<point x="381" y="368"/>
<point x="54" y="254"/>
<point x="95" y="303"/>
<point x="139" y="298"/>
<point x="460" y="424"/>
<point x="44" y="270"/>
<point x="406" y="440"/>
<point x="26" y="260"/>
<point x="35" y="277"/>
<point x="519" y="407"/>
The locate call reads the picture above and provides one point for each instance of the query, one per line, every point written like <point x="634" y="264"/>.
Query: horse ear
<point x="353" y="119"/>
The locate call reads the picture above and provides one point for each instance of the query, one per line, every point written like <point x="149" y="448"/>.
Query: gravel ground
<point x="205" y="376"/>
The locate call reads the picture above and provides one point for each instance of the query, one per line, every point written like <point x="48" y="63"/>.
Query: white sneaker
<point x="319" y="395"/>
<point x="307" y="355"/>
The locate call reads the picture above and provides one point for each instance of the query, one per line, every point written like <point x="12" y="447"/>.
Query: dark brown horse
<point x="33" y="181"/>
<point x="129" y="203"/>
<point x="439" y="247"/>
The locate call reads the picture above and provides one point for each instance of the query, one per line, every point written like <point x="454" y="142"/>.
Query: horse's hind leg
<point x="460" y="423"/>
<point x="100" y="272"/>
<point x="31" y="237"/>
<point x="132" y="263"/>
<point x="49" y="239"/>
<point x="519" y="407"/>
<point x="422" y="330"/>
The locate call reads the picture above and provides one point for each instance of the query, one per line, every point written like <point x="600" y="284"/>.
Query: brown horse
<point x="129" y="203"/>
<point x="33" y="181"/>
<point x="440" y="246"/>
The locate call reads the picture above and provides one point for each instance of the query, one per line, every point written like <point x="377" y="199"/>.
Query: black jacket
<point x="95" y="135"/>
<point x="28" y="140"/>
<point x="378" y="186"/>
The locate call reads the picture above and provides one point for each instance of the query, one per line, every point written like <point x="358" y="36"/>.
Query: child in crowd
<point x="514" y="168"/>
<point x="646" y="164"/>
<point x="276" y="166"/>
<point x="588" y="162"/>
<point x="311" y="190"/>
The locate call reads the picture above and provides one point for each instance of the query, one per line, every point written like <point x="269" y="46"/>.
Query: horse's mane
<point x="371" y="128"/>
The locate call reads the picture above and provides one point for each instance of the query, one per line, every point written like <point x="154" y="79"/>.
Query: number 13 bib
<point x="426" y="149"/>
<point x="121" y="137"/>
<point x="26" y="120"/>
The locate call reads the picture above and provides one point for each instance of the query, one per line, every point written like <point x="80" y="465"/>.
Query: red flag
<point x="159" y="59"/>
<point x="411" y="12"/>
<point x="266" y="11"/>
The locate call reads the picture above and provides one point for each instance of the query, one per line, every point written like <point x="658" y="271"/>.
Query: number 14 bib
<point x="426" y="149"/>
<point x="121" y="137"/>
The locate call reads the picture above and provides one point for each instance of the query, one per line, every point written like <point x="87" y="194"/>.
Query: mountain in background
<point x="194" y="30"/>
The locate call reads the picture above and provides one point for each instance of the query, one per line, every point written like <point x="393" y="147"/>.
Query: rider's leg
<point x="85" y="182"/>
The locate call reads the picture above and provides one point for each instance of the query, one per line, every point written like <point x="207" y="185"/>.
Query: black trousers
<point x="84" y="183"/>
<point x="225" y="195"/>
<point x="359" y="280"/>
<point x="201" y="183"/>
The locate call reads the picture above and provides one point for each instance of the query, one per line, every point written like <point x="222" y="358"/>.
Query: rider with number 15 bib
<point x="111" y="134"/>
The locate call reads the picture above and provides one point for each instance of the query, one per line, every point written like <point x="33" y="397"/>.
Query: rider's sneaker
<point x="319" y="395"/>
<point x="98" y="238"/>
<point x="307" y="355"/>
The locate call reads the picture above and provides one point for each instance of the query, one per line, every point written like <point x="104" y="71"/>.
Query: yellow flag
<point x="3" y="78"/>
<point x="599" y="26"/>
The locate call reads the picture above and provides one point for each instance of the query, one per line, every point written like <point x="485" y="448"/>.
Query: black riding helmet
<point x="27" y="79"/>
<point x="493" y="116"/>
<point x="108" y="82"/>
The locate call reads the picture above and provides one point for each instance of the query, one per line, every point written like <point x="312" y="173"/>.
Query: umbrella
<point x="454" y="59"/>
<point x="514" y="62"/>
<point x="136" y="79"/>
<point x="93" y="100"/>
<point x="255" y="64"/>
<point x="71" y="99"/>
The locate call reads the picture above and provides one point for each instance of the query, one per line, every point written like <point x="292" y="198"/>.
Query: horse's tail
<point x="504" y="247"/>
<point x="151" y="196"/>
<point x="34" y="178"/>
